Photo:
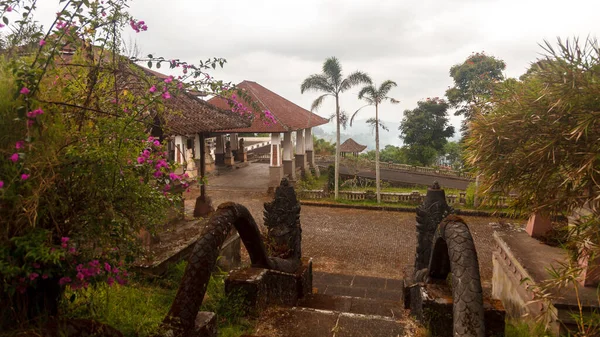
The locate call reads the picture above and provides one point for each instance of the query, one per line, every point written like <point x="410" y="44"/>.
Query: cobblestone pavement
<point x="361" y="242"/>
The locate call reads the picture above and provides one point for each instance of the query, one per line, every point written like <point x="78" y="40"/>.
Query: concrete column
<point x="197" y="148"/>
<point x="220" y="150"/>
<point x="275" y="164"/>
<point x="310" y="155"/>
<point x="229" y="159"/>
<point x="301" y="152"/>
<point x="233" y="138"/>
<point x="179" y="149"/>
<point x="289" y="167"/>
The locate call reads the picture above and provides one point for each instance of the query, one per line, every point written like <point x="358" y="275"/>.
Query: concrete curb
<point x="404" y="209"/>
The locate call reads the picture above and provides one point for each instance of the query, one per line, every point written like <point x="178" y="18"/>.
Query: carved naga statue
<point x="282" y="217"/>
<point x="445" y="245"/>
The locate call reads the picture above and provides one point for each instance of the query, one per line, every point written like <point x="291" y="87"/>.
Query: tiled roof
<point x="350" y="146"/>
<point x="288" y="116"/>
<point x="186" y="114"/>
<point x="191" y="114"/>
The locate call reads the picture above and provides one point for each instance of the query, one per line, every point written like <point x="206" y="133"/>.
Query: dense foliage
<point x="541" y="136"/>
<point x="473" y="83"/>
<point x="80" y="173"/>
<point x="425" y="130"/>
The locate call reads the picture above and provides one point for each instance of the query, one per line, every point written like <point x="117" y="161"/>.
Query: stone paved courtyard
<point x="361" y="242"/>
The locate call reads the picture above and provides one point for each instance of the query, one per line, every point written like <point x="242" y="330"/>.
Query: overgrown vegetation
<point x="138" y="309"/>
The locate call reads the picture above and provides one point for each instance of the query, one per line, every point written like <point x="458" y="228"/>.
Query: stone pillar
<point x="300" y="151"/>
<point x="179" y="149"/>
<point x="228" y="155"/>
<point x="310" y="155"/>
<point x="197" y="147"/>
<point x="538" y="225"/>
<point x="289" y="167"/>
<point x="241" y="155"/>
<point x="233" y="138"/>
<point x="275" y="164"/>
<point x="220" y="150"/>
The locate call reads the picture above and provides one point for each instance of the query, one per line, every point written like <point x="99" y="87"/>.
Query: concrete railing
<point x="257" y="145"/>
<point x="408" y="168"/>
<point x="414" y="197"/>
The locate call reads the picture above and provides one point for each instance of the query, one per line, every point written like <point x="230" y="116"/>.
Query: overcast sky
<point x="414" y="43"/>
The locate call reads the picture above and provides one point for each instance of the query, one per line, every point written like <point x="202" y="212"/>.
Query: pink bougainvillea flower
<point x="42" y="42"/>
<point x="166" y="188"/>
<point x="30" y="123"/>
<point x="166" y="95"/>
<point x="2" y="25"/>
<point x="25" y="176"/>
<point x="1" y="184"/>
<point x="72" y="250"/>
<point x="33" y="276"/>
<point x="14" y="158"/>
<point x="157" y="174"/>
<point x="80" y="276"/>
<point x="169" y="79"/>
<point x="110" y="281"/>
<point x="44" y="276"/>
<point x="152" y="88"/>
<point x="64" y="280"/>
<point x="25" y="91"/>
<point x="107" y="267"/>
<point x="36" y="265"/>
<point x="19" y="144"/>
<point x="156" y="143"/>
<point x="146" y="153"/>
<point x="64" y="239"/>
<point x="9" y="9"/>
<point x="173" y="176"/>
<point x="141" y="160"/>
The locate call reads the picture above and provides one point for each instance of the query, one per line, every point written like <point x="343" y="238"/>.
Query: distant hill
<point x="362" y="133"/>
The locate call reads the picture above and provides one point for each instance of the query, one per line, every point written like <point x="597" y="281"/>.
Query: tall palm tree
<point x="332" y="83"/>
<point x="374" y="96"/>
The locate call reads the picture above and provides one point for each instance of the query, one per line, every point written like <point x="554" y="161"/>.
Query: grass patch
<point x="515" y="328"/>
<point x="137" y="309"/>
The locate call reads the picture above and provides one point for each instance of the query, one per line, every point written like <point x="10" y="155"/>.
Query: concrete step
<point x="357" y="286"/>
<point x="309" y="322"/>
<point x="355" y="305"/>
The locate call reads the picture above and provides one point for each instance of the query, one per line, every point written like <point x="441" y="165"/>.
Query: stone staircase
<point x="341" y="306"/>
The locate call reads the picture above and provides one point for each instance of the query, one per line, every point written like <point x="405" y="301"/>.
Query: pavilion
<point x="289" y="118"/>
<point x="350" y="146"/>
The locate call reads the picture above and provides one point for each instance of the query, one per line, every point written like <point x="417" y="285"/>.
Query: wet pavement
<point x="346" y="241"/>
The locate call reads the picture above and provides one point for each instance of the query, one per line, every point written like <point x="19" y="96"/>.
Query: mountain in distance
<point x="362" y="133"/>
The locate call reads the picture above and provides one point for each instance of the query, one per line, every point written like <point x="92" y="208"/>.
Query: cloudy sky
<point x="414" y="43"/>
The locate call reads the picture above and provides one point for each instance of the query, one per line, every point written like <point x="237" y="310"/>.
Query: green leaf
<point x="150" y="56"/>
<point x="5" y="20"/>
<point x="150" y="64"/>
<point x="158" y="65"/>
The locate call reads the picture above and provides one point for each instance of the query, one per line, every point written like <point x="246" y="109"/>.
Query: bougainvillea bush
<point x="80" y="172"/>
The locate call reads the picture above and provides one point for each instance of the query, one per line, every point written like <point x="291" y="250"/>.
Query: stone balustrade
<point x="414" y="197"/>
<point x="409" y="168"/>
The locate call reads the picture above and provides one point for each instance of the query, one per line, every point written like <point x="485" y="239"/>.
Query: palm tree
<point x="332" y="83"/>
<point x="374" y="96"/>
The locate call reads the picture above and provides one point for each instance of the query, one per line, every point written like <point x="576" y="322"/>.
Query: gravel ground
<point x="362" y="242"/>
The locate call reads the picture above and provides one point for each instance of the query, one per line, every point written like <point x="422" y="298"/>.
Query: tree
<point x="453" y="154"/>
<point x="374" y="97"/>
<point x="425" y="129"/>
<point x="473" y="83"/>
<point x="79" y="174"/>
<point x="332" y="83"/>
<point x="541" y="136"/>
<point x="323" y="147"/>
